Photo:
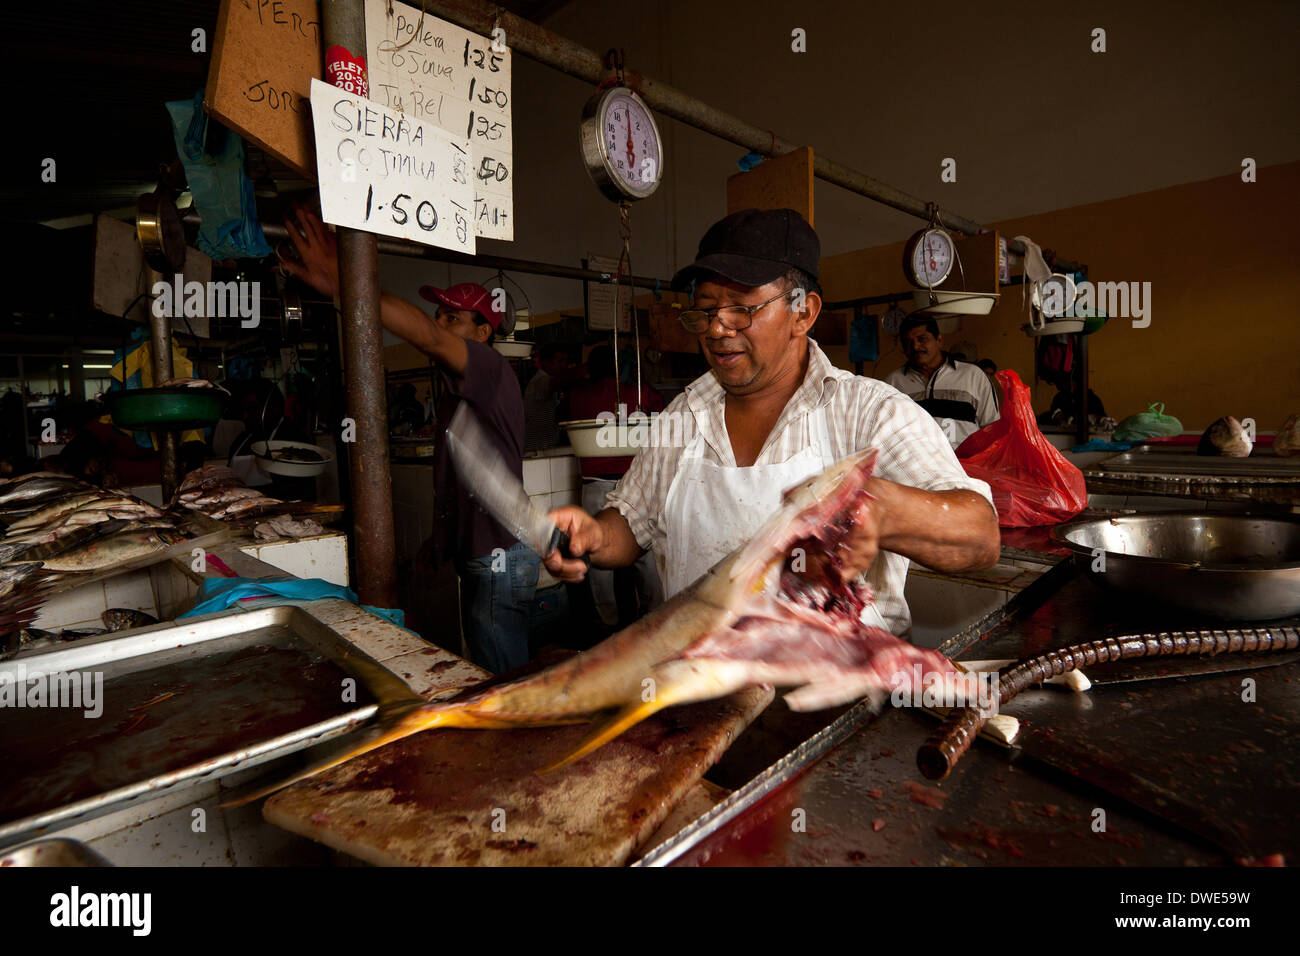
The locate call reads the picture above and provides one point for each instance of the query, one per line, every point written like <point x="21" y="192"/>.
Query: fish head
<point x="796" y="617"/>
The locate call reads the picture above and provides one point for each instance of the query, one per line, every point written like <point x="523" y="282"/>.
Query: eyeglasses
<point x="734" y="317"/>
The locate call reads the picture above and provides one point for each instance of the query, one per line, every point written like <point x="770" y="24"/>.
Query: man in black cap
<point x="771" y="412"/>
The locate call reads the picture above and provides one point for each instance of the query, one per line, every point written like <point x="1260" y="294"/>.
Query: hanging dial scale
<point x="623" y="154"/>
<point x="928" y="257"/>
<point x="620" y="144"/>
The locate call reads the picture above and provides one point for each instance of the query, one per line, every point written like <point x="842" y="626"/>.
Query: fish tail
<point x="627" y="717"/>
<point x="425" y="718"/>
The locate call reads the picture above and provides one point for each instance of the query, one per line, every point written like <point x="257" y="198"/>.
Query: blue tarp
<point x="217" y="594"/>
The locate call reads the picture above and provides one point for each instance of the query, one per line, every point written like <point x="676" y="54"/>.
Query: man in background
<point x="542" y="398"/>
<point x="498" y="575"/>
<point x="956" y="394"/>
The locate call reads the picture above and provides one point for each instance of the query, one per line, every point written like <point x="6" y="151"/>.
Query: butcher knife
<point x="491" y="482"/>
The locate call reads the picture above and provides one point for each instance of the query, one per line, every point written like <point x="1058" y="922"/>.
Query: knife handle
<point x="560" y="542"/>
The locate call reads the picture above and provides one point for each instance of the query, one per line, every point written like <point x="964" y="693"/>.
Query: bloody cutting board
<point x="472" y="797"/>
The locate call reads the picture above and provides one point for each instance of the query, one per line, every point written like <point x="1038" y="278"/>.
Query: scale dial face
<point x="928" y="258"/>
<point x="621" y="145"/>
<point x="1055" y="295"/>
<point x="892" y="320"/>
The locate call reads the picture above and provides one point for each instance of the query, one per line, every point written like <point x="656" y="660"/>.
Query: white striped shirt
<point x="861" y="412"/>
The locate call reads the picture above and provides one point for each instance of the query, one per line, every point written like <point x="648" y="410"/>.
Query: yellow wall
<point x="1224" y="337"/>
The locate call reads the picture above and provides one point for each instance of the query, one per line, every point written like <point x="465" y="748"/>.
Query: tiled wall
<point x="553" y="482"/>
<point x="160" y="590"/>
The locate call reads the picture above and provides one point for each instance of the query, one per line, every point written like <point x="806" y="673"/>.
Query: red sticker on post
<point x="346" y="71"/>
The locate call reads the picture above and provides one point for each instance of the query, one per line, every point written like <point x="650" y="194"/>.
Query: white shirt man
<point x="772" y="412"/>
<point x="956" y="394"/>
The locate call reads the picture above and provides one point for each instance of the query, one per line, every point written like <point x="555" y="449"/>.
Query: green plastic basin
<point x="164" y="409"/>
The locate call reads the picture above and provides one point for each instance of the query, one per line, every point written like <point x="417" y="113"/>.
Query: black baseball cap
<point x="754" y="247"/>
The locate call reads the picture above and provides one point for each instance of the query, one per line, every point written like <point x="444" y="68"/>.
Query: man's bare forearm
<point x="953" y="530"/>
<point x="620" y="548"/>
<point x="408" y="321"/>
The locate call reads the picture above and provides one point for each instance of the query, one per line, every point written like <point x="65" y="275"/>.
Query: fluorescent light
<point x="93" y="366"/>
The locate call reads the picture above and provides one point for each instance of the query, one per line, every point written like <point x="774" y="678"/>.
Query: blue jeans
<point x="496" y="598"/>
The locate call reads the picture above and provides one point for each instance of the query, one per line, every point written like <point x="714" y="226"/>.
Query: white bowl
<point x="289" y="469"/>
<point x="1057" y="327"/>
<point x="515" y="350"/>
<point x="595" y="437"/>
<point x="955" y="303"/>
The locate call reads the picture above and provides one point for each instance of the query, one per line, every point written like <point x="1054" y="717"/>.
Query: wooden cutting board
<point x="472" y="797"/>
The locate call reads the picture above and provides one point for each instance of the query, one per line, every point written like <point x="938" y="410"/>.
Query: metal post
<point x="414" y="250"/>
<point x="553" y="50"/>
<point x="363" y="346"/>
<point x="76" y="377"/>
<point x="160" y="350"/>
<point x="1082" y="431"/>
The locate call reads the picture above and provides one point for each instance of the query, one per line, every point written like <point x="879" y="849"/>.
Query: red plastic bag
<point x="1032" y="482"/>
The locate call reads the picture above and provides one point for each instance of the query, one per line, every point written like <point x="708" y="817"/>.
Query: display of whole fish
<point x="1287" y="441"/>
<point x="125" y="618"/>
<point x="56" y="529"/>
<point x="1225" y="437"/>
<point x="776" y="611"/>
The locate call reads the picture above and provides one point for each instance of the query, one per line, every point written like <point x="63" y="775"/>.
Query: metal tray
<point x="1181" y="463"/>
<point x="181" y="703"/>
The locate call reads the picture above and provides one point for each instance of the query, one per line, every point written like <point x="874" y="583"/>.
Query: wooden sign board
<point x="979" y="262"/>
<point x="391" y="174"/>
<point x="264" y="56"/>
<point x="785" y="182"/>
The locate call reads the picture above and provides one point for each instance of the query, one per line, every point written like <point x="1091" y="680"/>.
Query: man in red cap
<point x="498" y="575"/>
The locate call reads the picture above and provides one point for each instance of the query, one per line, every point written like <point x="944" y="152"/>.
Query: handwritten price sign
<point x="442" y="74"/>
<point x="391" y="173"/>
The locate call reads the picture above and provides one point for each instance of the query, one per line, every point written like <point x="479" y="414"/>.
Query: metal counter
<point x="1180" y="770"/>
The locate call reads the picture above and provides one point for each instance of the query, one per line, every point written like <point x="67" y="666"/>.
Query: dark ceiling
<point x="91" y="80"/>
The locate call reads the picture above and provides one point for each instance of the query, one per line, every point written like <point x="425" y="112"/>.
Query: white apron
<point x="712" y="509"/>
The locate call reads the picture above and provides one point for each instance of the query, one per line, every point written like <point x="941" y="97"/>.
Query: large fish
<point x="50" y="513"/>
<point x="106" y="552"/>
<point x="776" y="611"/>
<point x="19" y="493"/>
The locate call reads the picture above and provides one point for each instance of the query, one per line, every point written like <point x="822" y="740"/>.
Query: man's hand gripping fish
<point x="776" y="611"/>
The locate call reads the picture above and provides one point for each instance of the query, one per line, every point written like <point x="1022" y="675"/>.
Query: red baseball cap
<point x="465" y="295"/>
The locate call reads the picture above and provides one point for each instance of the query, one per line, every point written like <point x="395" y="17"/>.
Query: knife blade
<point x="491" y="482"/>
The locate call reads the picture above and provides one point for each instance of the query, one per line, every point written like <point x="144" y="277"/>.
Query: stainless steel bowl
<point x="1233" y="567"/>
<point x="53" y="851"/>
